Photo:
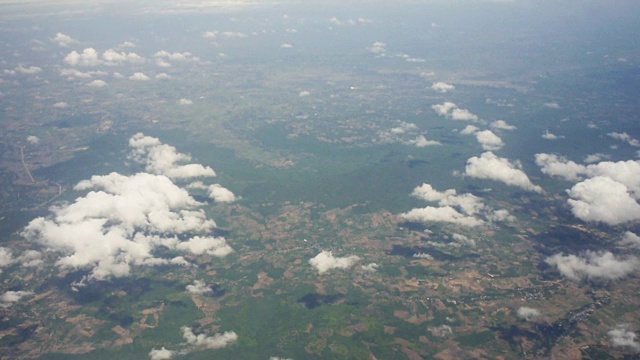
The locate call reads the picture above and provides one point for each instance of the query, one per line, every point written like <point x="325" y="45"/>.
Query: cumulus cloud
<point x="489" y="140"/>
<point x="88" y="57"/>
<point x="554" y="165"/>
<point x="549" y="136"/>
<point x="625" y="137"/>
<point x="603" y="199"/>
<point x="452" y="111"/>
<point x="469" y="129"/>
<point x="33" y="140"/>
<point x="304" y="93"/>
<point x="442" y="87"/>
<point x="124" y="219"/>
<point x="112" y="57"/>
<point x="286" y="46"/>
<point x="138" y="76"/>
<point x="421" y="141"/>
<point x="161" y="354"/>
<point x="406" y="133"/>
<point x="621" y="336"/>
<point x="164" y="159"/>
<point x="31" y="70"/>
<point x="462" y="209"/>
<point x="594" y="265"/>
<point x="6" y="257"/>
<point x="163" y="76"/>
<point x="371" y="267"/>
<point x="489" y="166"/>
<point x="527" y="313"/>
<point x="163" y="56"/>
<point x="221" y="194"/>
<point x="64" y="40"/>
<point x="502" y="125"/>
<point x="325" y="261"/>
<point x="552" y="105"/>
<point x="594" y="158"/>
<point x="198" y="287"/>
<point x="10" y="297"/>
<point x="184" y="101"/>
<point x="628" y="238"/>
<point x="202" y="341"/>
<point x="60" y="105"/>
<point x="97" y="83"/>
<point x="378" y="48"/>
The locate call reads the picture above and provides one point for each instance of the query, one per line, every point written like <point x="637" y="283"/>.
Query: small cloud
<point x="232" y="34"/>
<point x="184" y="102"/>
<point x="138" y="76"/>
<point x="32" y="139"/>
<point x="379" y="48"/>
<point x="593" y="265"/>
<point x="221" y="194"/>
<point x="60" y="105"/>
<point x="489" y="140"/>
<point x="603" y="199"/>
<point x="88" y="57"/>
<point x="163" y="76"/>
<point x="286" y="46"/>
<point x="469" y="129"/>
<point x="552" y="105"/>
<point x="127" y="44"/>
<point x="489" y="166"/>
<point x="550" y="136"/>
<point x="202" y="342"/>
<point x="625" y="137"/>
<point x="632" y="239"/>
<point x="63" y="40"/>
<point x="621" y="336"/>
<point x="304" y="93"/>
<point x="6" y="258"/>
<point x="452" y="111"/>
<point x="502" y="125"/>
<point x="325" y="261"/>
<point x="97" y="83"/>
<point x="442" y="87"/>
<point x="112" y="58"/>
<point x="31" y="70"/>
<point x="161" y="354"/>
<point x="371" y="267"/>
<point x="421" y="141"/>
<point x="527" y="313"/>
<point x="176" y="56"/>
<point x="11" y="297"/>
<point x="594" y="158"/>
<point x="209" y="34"/>
<point x="198" y="287"/>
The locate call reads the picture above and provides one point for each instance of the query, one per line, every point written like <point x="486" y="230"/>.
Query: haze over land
<point x="295" y="180"/>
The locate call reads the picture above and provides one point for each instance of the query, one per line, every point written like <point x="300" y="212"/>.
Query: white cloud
<point x="404" y="127"/>
<point x="630" y="238"/>
<point x="442" y="87"/>
<point x="621" y="336"/>
<point x="60" y="105"/>
<point x="489" y="140"/>
<point x="304" y="93"/>
<point x="594" y="158"/>
<point x="97" y="83"/>
<point x="127" y="44"/>
<point x="464" y="240"/>
<point x="202" y="341"/>
<point x="64" y="40"/>
<point x="139" y="77"/>
<point x="164" y="159"/>
<point x="625" y="137"/>
<point x="233" y="34"/>
<point x="163" y="76"/>
<point x="421" y="141"/>
<point x="10" y="297"/>
<point x="468" y="203"/>
<point x="88" y="57"/>
<point x="502" y="125"/>
<point x="379" y="48"/>
<point x="603" y="199"/>
<point x="121" y="222"/>
<point x="593" y="265"/>
<point x="184" y="101"/>
<point x="176" y="56"/>
<point x="112" y="57"/>
<point x="490" y="166"/>
<point x="210" y="34"/>
<point x="6" y="258"/>
<point x="31" y="70"/>
<point x="325" y="261"/>
<point x="32" y="139"/>
<point x="286" y="46"/>
<point x="371" y="267"/>
<point x="198" y="287"/>
<point x="220" y="194"/>
<point x="554" y="165"/>
<point x="452" y="111"/>
<point x="549" y="136"/>
<point x="441" y="214"/>
<point x="527" y="313"/>
<point x="161" y="354"/>
<point x="469" y="129"/>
